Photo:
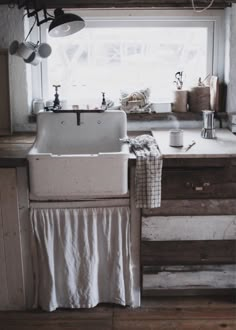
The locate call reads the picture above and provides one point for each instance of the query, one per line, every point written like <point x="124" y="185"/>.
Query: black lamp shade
<point x="65" y="24"/>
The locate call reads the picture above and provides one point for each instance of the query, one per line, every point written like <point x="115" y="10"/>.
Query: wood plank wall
<point x="189" y="243"/>
<point x="218" y="4"/>
<point x="11" y="271"/>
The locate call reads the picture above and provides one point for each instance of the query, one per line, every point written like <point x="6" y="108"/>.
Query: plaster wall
<point x="231" y="65"/>
<point x="12" y="28"/>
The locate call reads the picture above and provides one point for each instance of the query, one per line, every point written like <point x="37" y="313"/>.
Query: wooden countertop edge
<point x="20" y="143"/>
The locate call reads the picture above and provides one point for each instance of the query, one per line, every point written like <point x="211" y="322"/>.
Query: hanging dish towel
<point x="148" y="171"/>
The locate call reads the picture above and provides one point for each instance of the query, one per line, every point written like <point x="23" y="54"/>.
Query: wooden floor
<point x="176" y="313"/>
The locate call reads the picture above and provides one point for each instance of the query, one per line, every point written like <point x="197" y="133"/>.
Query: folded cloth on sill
<point x="148" y="171"/>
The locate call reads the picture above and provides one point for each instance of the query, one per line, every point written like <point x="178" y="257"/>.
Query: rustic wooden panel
<point x="175" y="315"/>
<point x="19" y="138"/>
<point x="11" y="238"/>
<point x="220" y="227"/>
<point x="80" y="320"/>
<point x="25" y="232"/>
<point x="165" y="312"/>
<point x="196" y="163"/>
<point x="174" y="324"/>
<point x="3" y="271"/>
<point x="187" y="278"/>
<point x="198" y="183"/>
<point x="86" y="203"/>
<point x="188" y="252"/>
<point x="135" y="239"/>
<point x="5" y="117"/>
<point x="132" y="3"/>
<point x="9" y="150"/>
<point x="182" y="4"/>
<point x="172" y="313"/>
<point x="193" y="207"/>
<point x="172" y="115"/>
<point x="194" y="302"/>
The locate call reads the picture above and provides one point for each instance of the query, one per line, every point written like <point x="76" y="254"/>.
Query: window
<point x="114" y="54"/>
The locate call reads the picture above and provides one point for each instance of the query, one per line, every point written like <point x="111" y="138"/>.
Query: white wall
<point x="231" y="59"/>
<point x="12" y="28"/>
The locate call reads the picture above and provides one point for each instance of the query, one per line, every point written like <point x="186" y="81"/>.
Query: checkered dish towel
<point x="148" y="171"/>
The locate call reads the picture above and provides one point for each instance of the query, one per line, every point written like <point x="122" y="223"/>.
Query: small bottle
<point x="104" y="104"/>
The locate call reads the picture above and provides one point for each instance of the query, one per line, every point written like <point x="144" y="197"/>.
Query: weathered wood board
<point x="25" y="234"/>
<point x="188" y="252"/>
<point x="184" y="277"/>
<point x="219" y="4"/>
<point x="11" y="263"/>
<point x="193" y="207"/>
<point x="216" y="227"/>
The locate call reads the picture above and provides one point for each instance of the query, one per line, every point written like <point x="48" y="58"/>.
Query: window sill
<point x="163" y="116"/>
<point x="177" y="115"/>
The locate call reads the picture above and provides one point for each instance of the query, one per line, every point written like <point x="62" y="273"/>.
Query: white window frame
<point x="213" y="20"/>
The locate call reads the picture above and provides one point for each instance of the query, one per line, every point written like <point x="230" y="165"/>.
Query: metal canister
<point x="208" y="119"/>
<point x="208" y="131"/>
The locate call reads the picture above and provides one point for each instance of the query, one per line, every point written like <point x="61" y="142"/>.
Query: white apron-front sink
<point x="70" y="161"/>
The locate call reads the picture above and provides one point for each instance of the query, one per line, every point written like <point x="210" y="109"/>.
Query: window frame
<point x="213" y="20"/>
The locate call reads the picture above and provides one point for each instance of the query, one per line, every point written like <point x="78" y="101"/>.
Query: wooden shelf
<point x="170" y="115"/>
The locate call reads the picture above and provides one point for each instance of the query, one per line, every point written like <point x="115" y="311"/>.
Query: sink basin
<point x="69" y="161"/>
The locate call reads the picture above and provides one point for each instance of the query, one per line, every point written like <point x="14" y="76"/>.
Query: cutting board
<point x="214" y="93"/>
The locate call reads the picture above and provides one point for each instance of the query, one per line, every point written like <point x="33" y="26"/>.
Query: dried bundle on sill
<point x="137" y="101"/>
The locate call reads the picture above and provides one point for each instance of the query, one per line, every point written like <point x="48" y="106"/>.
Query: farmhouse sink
<point x="72" y="160"/>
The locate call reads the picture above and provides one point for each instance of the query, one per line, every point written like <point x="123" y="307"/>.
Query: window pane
<point x="109" y="60"/>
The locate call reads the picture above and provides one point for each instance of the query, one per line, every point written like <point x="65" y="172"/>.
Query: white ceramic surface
<point x="68" y="161"/>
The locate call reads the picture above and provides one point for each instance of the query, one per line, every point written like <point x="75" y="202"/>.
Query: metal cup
<point x="34" y="59"/>
<point x="26" y="49"/>
<point x="208" y="131"/>
<point x="208" y="119"/>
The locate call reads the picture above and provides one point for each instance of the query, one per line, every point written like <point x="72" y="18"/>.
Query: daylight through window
<point x="127" y="57"/>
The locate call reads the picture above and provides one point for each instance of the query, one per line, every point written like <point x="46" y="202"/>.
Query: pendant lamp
<point x="65" y="24"/>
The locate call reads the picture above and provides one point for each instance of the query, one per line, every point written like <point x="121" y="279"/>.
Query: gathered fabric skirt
<point x="81" y="257"/>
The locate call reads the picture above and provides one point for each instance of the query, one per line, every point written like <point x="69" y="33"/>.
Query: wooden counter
<point x="14" y="149"/>
<point x="223" y="146"/>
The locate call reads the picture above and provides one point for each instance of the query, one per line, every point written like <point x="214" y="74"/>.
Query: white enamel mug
<point x="37" y="105"/>
<point x="44" y="50"/>
<point x="26" y="49"/>
<point x="176" y="138"/>
<point x="34" y="59"/>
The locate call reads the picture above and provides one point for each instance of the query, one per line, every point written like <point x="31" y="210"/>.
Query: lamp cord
<point x="30" y="29"/>
<point x="50" y="14"/>
<point x="203" y="9"/>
